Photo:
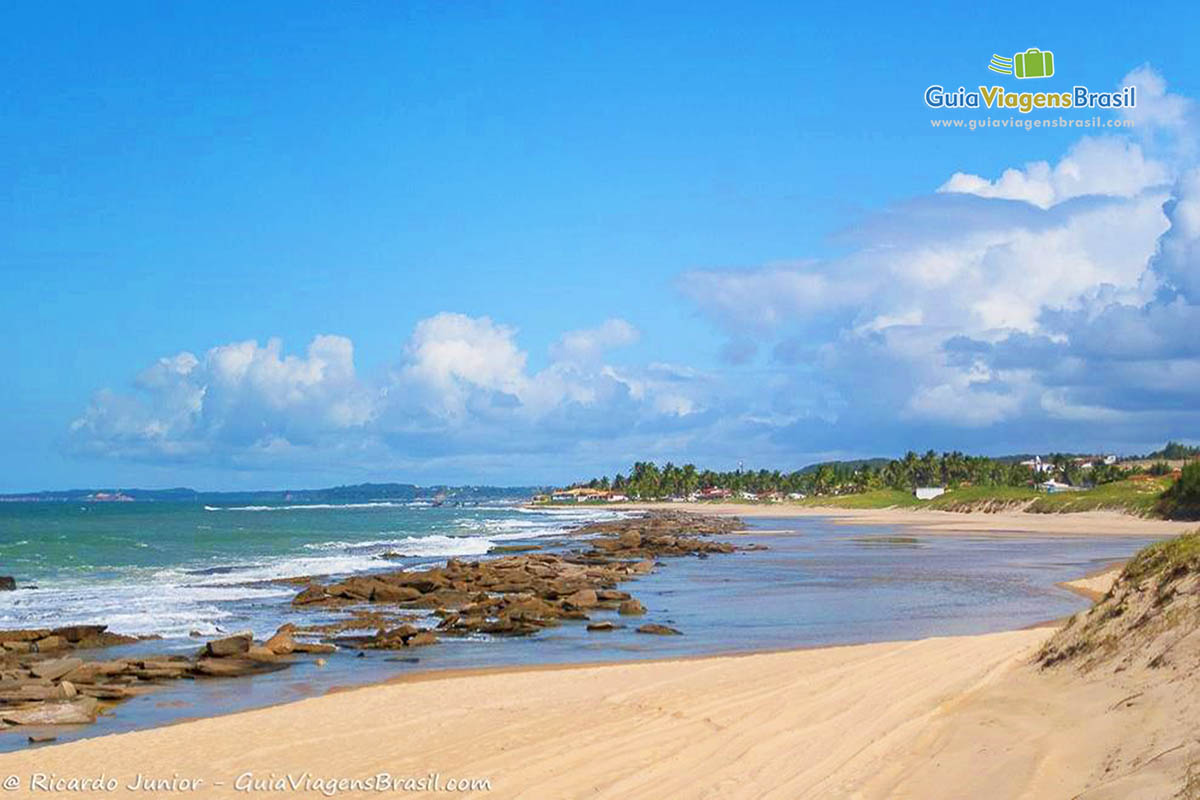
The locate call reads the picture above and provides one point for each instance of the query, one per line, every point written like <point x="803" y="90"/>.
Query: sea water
<point x="178" y="570"/>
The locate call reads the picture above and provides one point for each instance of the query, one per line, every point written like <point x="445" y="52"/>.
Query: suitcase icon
<point x="1034" y="63"/>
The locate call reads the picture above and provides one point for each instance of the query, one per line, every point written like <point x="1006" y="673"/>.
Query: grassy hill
<point x="1139" y="496"/>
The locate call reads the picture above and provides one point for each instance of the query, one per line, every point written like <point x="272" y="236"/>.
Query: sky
<point x="295" y="244"/>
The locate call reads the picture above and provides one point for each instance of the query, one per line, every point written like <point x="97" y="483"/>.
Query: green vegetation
<point x="1166" y="560"/>
<point x="1174" y="451"/>
<point x="1183" y="498"/>
<point x="646" y="480"/>
<point x="972" y="483"/>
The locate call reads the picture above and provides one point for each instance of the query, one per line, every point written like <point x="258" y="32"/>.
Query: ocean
<point x="185" y="571"/>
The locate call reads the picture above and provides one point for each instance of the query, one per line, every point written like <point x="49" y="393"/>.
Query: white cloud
<point x="928" y="317"/>
<point x="590" y="344"/>
<point x="1109" y="166"/>
<point x="461" y="386"/>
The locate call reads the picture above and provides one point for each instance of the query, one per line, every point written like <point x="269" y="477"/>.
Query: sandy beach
<point x="943" y="717"/>
<point x="967" y="716"/>
<point x="1083" y="523"/>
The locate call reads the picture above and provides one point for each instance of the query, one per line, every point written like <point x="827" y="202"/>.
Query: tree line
<point x="648" y="480"/>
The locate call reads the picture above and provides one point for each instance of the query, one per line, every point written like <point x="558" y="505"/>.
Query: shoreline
<point x="999" y="523"/>
<point x="519" y="727"/>
<point x="874" y="709"/>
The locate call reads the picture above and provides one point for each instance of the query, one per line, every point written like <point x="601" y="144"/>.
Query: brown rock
<point x="315" y="593"/>
<point x="631" y="607"/>
<point x="584" y="598"/>
<point x="282" y="643"/>
<point x="17" y="647"/>
<point x="76" y="633"/>
<point x="421" y="639"/>
<point x="313" y="647"/>
<point x="232" y="667"/>
<point x="261" y="653"/>
<point x="49" y="644"/>
<point x="659" y="630"/>
<point x="387" y="593"/>
<point x="630" y="540"/>
<point x="231" y="645"/>
<point x="643" y="567"/>
<point x="597" y="627"/>
<point x="79" y="711"/>
<point x="7" y="583"/>
<point x="106" y="691"/>
<point x="24" y="635"/>
<point x="54" y="669"/>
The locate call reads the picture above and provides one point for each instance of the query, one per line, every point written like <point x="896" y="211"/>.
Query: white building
<point x="929" y="492"/>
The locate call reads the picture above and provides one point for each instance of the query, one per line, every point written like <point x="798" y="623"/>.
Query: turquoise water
<point x="173" y="569"/>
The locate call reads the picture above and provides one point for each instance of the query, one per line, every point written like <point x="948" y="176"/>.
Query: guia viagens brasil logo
<point x="1025" y="65"/>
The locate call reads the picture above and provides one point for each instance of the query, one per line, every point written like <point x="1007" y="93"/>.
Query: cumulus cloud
<point x="461" y="387"/>
<point x="590" y="344"/>
<point x="1018" y="310"/>
<point x="1109" y="166"/>
<point x="1058" y="292"/>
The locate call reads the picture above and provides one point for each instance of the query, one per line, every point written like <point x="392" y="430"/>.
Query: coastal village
<point x="924" y="478"/>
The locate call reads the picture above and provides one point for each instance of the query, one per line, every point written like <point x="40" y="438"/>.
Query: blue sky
<point x="544" y="240"/>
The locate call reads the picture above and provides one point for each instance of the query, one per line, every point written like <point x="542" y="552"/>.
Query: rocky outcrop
<point x="659" y="630"/>
<point x="518" y="594"/>
<point x="44" y="687"/>
<point x="7" y="583"/>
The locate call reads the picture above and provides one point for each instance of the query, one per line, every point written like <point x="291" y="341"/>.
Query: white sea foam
<point x="321" y="506"/>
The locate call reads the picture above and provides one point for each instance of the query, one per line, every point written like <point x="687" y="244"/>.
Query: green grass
<point x="1133" y="497"/>
<point x="876" y="498"/>
<point x="1167" y="559"/>
<point x="1139" y="497"/>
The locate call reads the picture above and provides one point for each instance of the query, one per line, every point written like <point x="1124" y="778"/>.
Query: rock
<point x="231" y="645"/>
<point x="106" y="691"/>
<point x="515" y="548"/>
<point x="630" y="540"/>
<point x="631" y="607"/>
<point x="79" y="711"/>
<point x="233" y="667"/>
<point x="386" y="593"/>
<point x="261" y="653"/>
<point x="584" y="598"/>
<point x="65" y="690"/>
<point x="313" y="647"/>
<point x="282" y="643"/>
<point x="42" y="739"/>
<point x="49" y="644"/>
<point x="7" y="583"/>
<point x="17" y="647"/>
<point x="597" y="627"/>
<point x="54" y="669"/>
<point x="315" y="593"/>
<point x="195" y="634"/>
<point x="76" y="633"/>
<point x="320" y="662"/>
<point x="31" y="635"/>
<point x="421" y="639"/>
<point x="643" y="567"/>
<point x="659" y="630"/>
<point x="106" y="639"/>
